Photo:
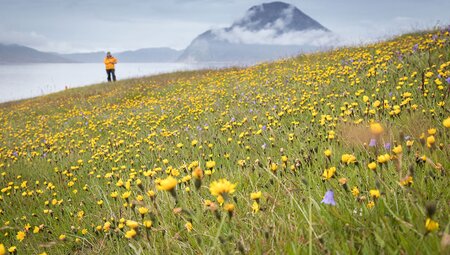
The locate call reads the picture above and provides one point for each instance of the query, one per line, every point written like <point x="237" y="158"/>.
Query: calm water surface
<point x="25" y="81"/>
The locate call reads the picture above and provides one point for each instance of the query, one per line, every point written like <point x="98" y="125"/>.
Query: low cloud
<point x="34" y="40"/>
<point x="317" y="38"/>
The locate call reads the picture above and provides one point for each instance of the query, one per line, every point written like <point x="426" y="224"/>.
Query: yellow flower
<point x="21" y="235"/>
<point x="348" y="158"/>
<point x="432" y="131"/>
<point x="428" y="74"/>
<point x="220" y="200"/>
<point x="143" y="210"/>
<point x="397" y="149"/>
<point x="255" y="195"/>
<point x="229" y="207"/>
<point x="446" y="122"/>
<point x="62" y="237"/>
<point x="107" y="226"/>
<point x="383" y="158"/>
<point x="210" y="164"/>
<point x="197" y="173"/>
<point x="327" y="153"/>
<point x="255" y="207"/>
<point x="374" y="193"/>
<point x="370" y="204"/>
<point x="372" y="165"/>
<point x="221" y="187"/>
<point x="148" y="224"/>
<point x="355" y="191"/>
<point x="407" y="181"/>
<point x="409" y="143"/>
<point x="126" y="194"/>
<point x="12" y="249"/>
<point x="189" y="226"/>
<point x="328" y="173"/>
<point x="167" y="184"/>
<point x="273" y="167"/>
<point x="430" y="141"/>
<point x="132" y="224"/>
<point x="130" y="234"/>
<point x="2" y="249"/>
<point x="431" y="225"/>
<point x="376" y="128"/>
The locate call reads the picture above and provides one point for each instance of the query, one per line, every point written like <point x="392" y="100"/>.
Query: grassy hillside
<point x="340" y="152"/>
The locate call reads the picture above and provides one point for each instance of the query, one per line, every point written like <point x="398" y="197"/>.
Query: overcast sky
<point x="90" y="25"/>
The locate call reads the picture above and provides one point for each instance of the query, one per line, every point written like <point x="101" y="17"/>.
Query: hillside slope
<point x="345" y="151"/>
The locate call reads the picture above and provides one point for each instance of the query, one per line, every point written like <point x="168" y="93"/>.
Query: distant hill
<point x="90" y="57"/>
<point x="266" y="32"/>
<point x="136" y="56"/>
<point x="149" y="55"/>
<point x="17" y="54"/>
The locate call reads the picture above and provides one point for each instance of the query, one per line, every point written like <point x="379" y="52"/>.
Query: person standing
<point x="110" y="61"/>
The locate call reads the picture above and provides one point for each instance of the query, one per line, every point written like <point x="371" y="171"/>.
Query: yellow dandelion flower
<point x="348" y="159"/>
<point x="167" y="184"/>
<point x="143" y="210"/>
<point x="210" y="164"/>
<point x="148" y="224"/>
<point x="431" y="225"/>
<point x="372" y="165"/>
<point x="255" y="195"/>
<point x="374" y="193"/>
<point x="376" y="128"/>
<point x="397" y="149"/>
<point x="446" y="122"/>
<point x="229" y="207"/>
<point x="132" y="224"/>
<point x="189" y="226"/>
<point x="407" y="181"/>
<point x="432" y="131"/>
<point x="21" y="235"/>
<point x="221" y="187"/>
<point x="126" y="194"/>
<point x="130" y="234"/>
<point x="255" y="207"/>
<point x="355" y="191"/>
<point x="430" y="140"/>
<point x="328" y="173"/>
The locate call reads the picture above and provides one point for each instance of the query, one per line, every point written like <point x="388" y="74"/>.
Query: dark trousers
<point x="111" y="72"/>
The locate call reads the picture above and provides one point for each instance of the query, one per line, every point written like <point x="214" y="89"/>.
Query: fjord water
<point x="31" y="80"/>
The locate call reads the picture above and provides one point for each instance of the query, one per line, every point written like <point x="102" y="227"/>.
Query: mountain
<point x="90" y="57"/>
<point x="266" y="32"/>
<point x="149" y="55"/>
<point x="136" y="56"/>
<point x="17" y="54"/>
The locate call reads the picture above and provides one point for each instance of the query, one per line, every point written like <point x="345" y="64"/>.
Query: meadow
<point x="340" y="152"/>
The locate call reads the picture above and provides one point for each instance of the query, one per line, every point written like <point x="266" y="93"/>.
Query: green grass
<point x="72" y="148"/>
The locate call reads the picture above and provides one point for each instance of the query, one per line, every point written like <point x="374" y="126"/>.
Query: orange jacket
<point x="110" y="62"/>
